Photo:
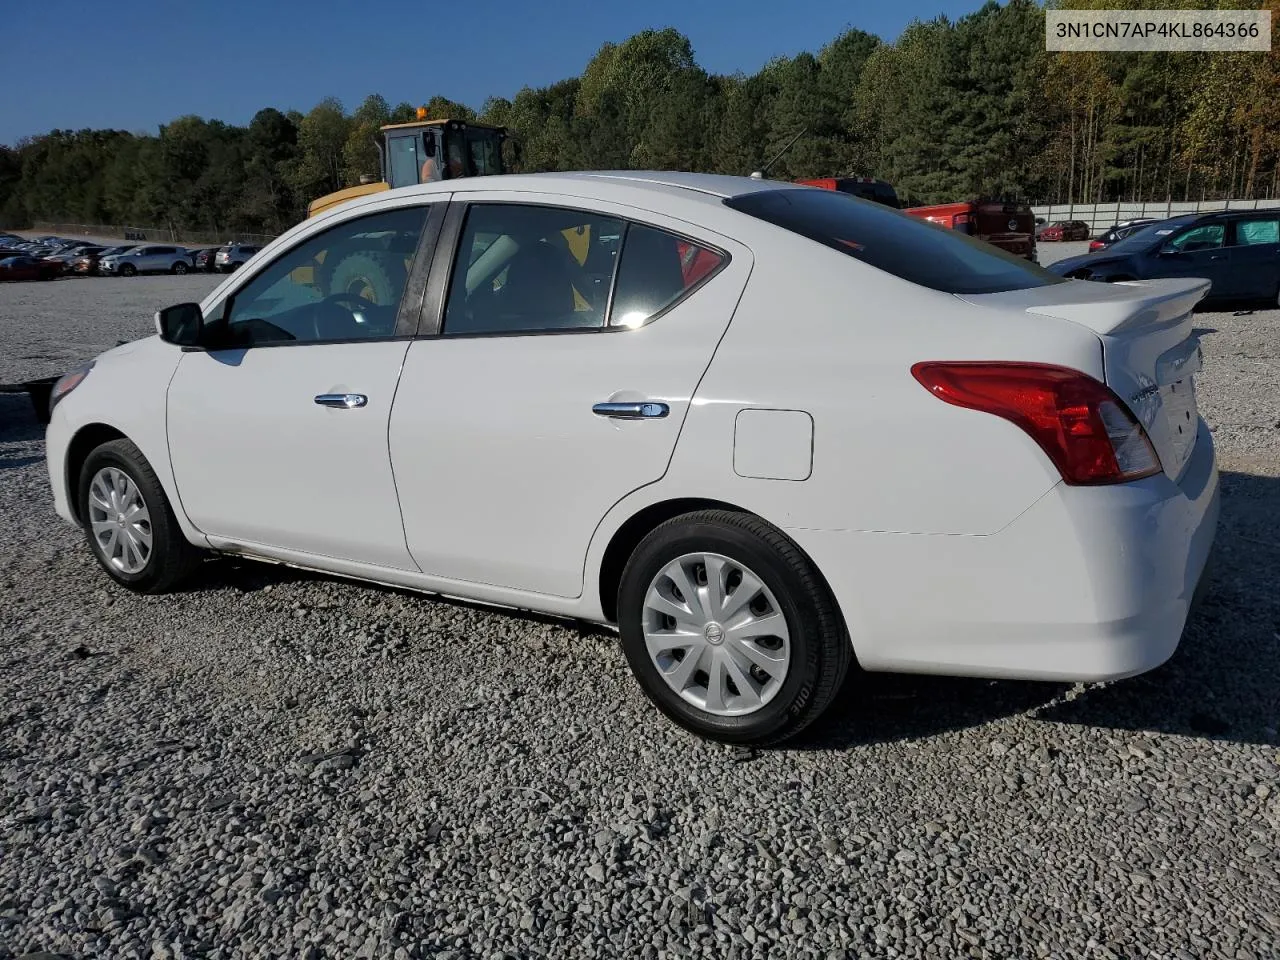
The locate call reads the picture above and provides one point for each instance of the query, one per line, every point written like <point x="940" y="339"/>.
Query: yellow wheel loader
<point x="409" y="154"/>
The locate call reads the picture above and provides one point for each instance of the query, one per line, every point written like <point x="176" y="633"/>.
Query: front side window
<point x="403" y="159"/>
<point x="525" y="269"/>
<point x="1251" y="232"/>
<point x="911" y="249"/>
<point x="342" y="284"/>
<point x="657" y="269"/>
<point x="1208" y="237"/>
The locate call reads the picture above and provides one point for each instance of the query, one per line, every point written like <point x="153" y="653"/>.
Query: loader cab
<point x="455" y="147"/>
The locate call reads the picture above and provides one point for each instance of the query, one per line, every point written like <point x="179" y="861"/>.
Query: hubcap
<point x="716" y="634"/>
<point x="119" y="520"/>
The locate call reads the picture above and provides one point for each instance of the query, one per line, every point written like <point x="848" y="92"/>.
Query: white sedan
<point x="768" y="431"/>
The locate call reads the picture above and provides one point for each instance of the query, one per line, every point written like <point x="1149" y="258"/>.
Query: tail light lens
<point x="963" y="223"/>
<point x="1079" y="422"/>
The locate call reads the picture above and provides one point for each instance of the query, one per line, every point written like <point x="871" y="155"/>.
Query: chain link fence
<point x="137" y="234"/>
<point x="1100" y="216"/>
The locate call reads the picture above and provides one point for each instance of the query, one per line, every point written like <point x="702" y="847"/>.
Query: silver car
<point x="233" y="256"/>
<point x="147" y="259"/>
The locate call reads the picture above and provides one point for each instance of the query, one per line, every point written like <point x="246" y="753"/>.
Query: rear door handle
<point x="1217" y="256"/>
<point x="343" y="401"/>
<point x="640" y="410"/>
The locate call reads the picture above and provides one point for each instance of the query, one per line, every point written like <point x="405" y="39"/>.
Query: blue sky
<point x="77" y="64"/>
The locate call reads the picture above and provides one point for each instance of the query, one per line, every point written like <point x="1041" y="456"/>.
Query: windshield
<point x="914" y="250"/>
<point x="1143" y="237"/>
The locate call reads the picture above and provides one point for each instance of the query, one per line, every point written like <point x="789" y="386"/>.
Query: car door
<point x="1255" y="257"/>
<point x="278" y="428"/>
<point x="550" y="386"/>
<point x="1198" y="251"/>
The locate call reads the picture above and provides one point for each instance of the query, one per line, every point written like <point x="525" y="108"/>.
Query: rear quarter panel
<point x="819" y="332"/>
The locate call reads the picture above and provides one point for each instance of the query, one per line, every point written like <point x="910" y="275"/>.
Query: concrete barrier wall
<point x="119" y="231"/>
<point x="1099" y="216"/>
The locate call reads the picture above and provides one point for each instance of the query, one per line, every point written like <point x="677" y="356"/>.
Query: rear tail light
<point x="963" y="223"/>
<point x="1079" y="422"/>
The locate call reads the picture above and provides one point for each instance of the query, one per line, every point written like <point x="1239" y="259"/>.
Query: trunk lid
<point x="1150" y="353"/>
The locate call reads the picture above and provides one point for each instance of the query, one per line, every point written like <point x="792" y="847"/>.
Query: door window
<point x="657" y="269"/>
<point x="342" y="284"/>
<point x="1250" y="232"/>
<point x="1209" y="237"/>
<point x="528" y="269"/>
<point x="402" y="158"/>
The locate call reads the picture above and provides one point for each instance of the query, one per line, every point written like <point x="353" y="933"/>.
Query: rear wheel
<point x="129" y="523"/>
<point x="180" y="268"/>
<point x="729" y="629"/>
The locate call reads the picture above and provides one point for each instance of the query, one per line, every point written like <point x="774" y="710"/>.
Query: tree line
<point x="952" y="109"/>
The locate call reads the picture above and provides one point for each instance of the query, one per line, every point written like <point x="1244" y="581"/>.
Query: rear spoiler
<point x="1137" y="303"/>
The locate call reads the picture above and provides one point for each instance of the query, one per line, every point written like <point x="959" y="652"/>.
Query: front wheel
<point x="129" y="523"/>
<point x="128" y="270"/>
<point x="730" y="630"/>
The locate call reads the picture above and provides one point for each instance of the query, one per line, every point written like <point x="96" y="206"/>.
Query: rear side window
<point x="1249" y="232"/>
<point x="656" y="270"/>
<point x="909" y="248"/>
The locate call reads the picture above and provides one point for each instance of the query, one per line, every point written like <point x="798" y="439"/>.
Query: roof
<point x="437" y="121"/>
<point x="605" y="183"/>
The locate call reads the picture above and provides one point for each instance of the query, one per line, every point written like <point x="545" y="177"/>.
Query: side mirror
<point x="181" y="324"/>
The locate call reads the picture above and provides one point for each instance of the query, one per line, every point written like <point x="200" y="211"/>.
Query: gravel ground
<point x="274" y="764"/>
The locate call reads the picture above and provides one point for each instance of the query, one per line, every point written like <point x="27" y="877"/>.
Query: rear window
<point x="912" y="249"/>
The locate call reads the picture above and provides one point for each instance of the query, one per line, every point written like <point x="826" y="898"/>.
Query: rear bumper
<point x="1087" y="584"/>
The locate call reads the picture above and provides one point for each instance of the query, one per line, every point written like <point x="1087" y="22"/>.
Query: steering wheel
<point x="334" y="317"/>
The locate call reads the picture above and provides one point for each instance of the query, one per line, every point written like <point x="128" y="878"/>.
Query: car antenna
<point x="759" y="174"/>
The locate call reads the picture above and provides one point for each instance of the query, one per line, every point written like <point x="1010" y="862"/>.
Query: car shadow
<point x="1223" y="683"/>
<point x="18" y="423"/>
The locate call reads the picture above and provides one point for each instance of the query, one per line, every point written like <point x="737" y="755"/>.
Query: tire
<point x="817" y="651"/>
<point x="128" y="270"/>
<point x="371" y="276"/>
<point x="179" y="268"/>
<point x="171" y="557"/>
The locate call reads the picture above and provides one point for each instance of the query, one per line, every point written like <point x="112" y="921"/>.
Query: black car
<point x="1237" y="251"/>
<point x="203" y="259"/>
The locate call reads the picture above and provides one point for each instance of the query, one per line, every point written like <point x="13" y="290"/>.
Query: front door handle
<point x="640" y="410"/>
<point x="343" y="401"/>
<point x="1217" y="256"/>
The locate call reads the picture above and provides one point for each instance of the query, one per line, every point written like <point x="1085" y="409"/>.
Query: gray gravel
<point x="280" y="765"/>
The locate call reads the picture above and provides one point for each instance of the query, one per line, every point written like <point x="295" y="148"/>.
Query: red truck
<point x="1005" y="224"/>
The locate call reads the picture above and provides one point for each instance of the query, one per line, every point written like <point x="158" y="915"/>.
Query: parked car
<point x="202" y="259"/>
<point x="69" y="256"/>
<point x="1065" y="230"/>
<point x="755" y="476"/>
<point x="1237" y="251"/>
<point x="1007" y="224"/>
<point x="146" y="259"/>
<point x="234" y="256"/>
<point x="29" y="268"/>
<point x="1118" y="232"/>
<point x="87" y="263"/>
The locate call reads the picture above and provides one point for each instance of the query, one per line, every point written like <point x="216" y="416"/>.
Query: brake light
<point x="1079" y="422"/>
<point x="963" y="223"/>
